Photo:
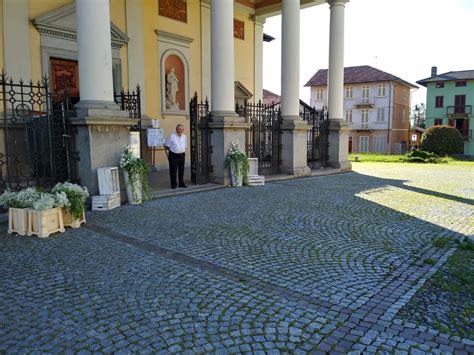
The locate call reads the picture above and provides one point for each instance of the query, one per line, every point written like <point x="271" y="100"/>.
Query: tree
<point x="419" y="114"/>
<point x="442" y="140"/>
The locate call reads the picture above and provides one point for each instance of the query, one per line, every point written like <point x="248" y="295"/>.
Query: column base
<point x="339" y="145"/>
<point x="100" y="141"/>
<point x="89" y="108"/>
<point x="294" y="146"/>
<point x="226" y="127"/>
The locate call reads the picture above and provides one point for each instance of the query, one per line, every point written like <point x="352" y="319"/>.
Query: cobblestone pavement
<point x="316" y="264"/>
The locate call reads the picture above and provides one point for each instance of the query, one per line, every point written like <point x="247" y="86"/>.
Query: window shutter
<point x="451" y="122"/>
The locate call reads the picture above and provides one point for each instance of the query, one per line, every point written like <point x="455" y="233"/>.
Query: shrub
<point x="442" y="140"/>
<point x="420" y="156"/>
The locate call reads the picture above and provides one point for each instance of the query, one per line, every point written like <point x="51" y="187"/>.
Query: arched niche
<point x="173" y="51"/>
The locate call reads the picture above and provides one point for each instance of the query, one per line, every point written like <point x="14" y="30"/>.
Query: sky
<point x="402" y="37"/>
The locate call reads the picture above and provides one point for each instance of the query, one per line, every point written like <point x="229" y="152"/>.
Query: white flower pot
<point x="70" y="221"/>
<point x="18" y="220"/>
<point x="45" y="222"/>
<point x="138" y="198"/>
<point x="236" y="175"/>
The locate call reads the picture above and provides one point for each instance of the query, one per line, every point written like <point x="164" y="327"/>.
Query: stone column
<point x="258" y="65"/>
<point x="226" y="125"/>
<point x="206" y="51"/>
<point x="102" y="129"/>
<point x="338" y="128"/>
<point x="294" y="129"/>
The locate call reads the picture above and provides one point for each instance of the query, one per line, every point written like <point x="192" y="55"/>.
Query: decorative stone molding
<point x="59" y="40"/>
<point x="61" y="23"/>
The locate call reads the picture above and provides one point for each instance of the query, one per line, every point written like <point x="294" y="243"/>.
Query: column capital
<point x="259" y="20"/>
<point x="337" y="2"/>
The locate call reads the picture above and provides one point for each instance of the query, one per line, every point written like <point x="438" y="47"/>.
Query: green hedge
<point x="442" y="140"/>
<point x="420" y="156"/>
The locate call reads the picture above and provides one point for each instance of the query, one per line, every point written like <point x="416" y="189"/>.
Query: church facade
<point x="171" y="49"/>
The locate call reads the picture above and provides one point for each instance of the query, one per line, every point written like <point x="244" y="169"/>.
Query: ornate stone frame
<point x="59" y="40"/>
<point x="168" y="44"/>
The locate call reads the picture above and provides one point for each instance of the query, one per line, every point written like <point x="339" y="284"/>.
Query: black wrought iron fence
<point x="37" y="141"/>
<point x="263" y="136"/>
<point x="317" y="137"/>
<point x="201" y="147"/>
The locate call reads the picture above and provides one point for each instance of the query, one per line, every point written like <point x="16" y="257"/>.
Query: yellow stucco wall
<point x="245" y="53"/>
<point x="37" y="8"/>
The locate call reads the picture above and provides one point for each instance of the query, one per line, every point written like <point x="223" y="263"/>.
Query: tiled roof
<point x="270" y="98"/>
<point x="451" y="75"/>
<point x="359" y="74"/>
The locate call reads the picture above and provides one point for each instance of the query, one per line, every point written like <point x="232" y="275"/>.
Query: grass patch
<point x="429" y="261"/>
<point x="440" y="242"/>
<point x="373" y="157"/>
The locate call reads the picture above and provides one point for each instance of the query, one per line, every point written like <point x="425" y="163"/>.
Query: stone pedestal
<point x="101" y="136"/>
<point x="226" y="127"/>
<point x="294" y="147"/>
<point x="339" y="145"/>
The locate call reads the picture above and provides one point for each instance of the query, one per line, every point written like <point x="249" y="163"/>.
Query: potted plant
<point x="236" y="160"/>
<point x="73" y="216"/>
<point x="136" y="178"/>
<point x="45" y="216"/>
<point x="18" y="204"/>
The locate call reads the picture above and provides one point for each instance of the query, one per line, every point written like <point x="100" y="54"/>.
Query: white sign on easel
<point x="155" y="137"/>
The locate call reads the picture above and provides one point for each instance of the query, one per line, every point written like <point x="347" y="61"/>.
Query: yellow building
<point x="171" y="49"/>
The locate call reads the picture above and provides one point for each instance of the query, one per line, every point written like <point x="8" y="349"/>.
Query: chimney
<point x="434" y="71"/>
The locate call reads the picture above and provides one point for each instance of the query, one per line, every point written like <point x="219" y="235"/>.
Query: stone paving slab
<point x="321" y="264"/>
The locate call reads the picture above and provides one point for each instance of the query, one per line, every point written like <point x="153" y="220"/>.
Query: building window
<point x="364" y="144"/>
<point x="349" y="92"/>
<point x="365" y="94"/>
<point x="319" y="94"/>
<point x="404" y="118"/>
<point x="460" y="83"/>
<point x="380" y="115"/>
<point x="439" y="85"/>
<point x="439" y="101"/>
<point x="381" y="90"/>
<point x="379" y="144"/>
<point x="365" y="118"/>
<point x="438" y="122"/>
<point x="349" y="116"/>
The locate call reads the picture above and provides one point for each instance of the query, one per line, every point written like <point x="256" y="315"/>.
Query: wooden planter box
<point x="70" y="221"/>
<point x="18" y="220"/>
<point x="43" y="223"/>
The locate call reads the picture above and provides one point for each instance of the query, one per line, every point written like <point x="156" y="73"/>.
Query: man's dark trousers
<point x="176" y="163"/>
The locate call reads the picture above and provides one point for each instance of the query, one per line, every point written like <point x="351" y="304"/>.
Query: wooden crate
<point x="69" y="221"/>
<point x="18" y="220"/>
<point x="105" y="202"/>
<point x="43" y="223"/>
<point x="109" y="182"/>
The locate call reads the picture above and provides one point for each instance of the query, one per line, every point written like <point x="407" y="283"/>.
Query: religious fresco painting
<point x="239" y="29"/>
<point x="175" y="84"/>
<point x="175" y="9"/>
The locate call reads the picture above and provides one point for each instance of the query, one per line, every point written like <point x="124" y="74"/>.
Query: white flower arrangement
<point x="69" y="187"/>
<point x="137" y="170"/>
<point x="236" y="159"/>
<point x="46" y="201"/>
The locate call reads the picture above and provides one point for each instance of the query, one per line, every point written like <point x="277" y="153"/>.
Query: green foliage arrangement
<point x="442" y="140"/>
<point x="137" y="170"/>
<point x="420" y="156"/>
<point x="237" y="159"/>
<point x="76" y="196"/>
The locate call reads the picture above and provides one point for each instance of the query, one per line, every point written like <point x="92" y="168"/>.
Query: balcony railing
<point x="365" y="102"/>
<point x="459" y="110"/>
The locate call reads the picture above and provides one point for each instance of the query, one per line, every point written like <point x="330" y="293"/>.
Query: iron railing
<point x="201" y="148"/>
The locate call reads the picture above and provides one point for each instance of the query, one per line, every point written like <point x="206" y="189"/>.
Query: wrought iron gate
<point x="263" y="136"/>
<point x="201" y="148"/>
<point x="130" y="101"/>
<point x="36" y="137"/>
<point x="317" y="138"/>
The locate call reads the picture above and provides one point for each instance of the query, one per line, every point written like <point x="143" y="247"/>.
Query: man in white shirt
<point x="176" y="145"/>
